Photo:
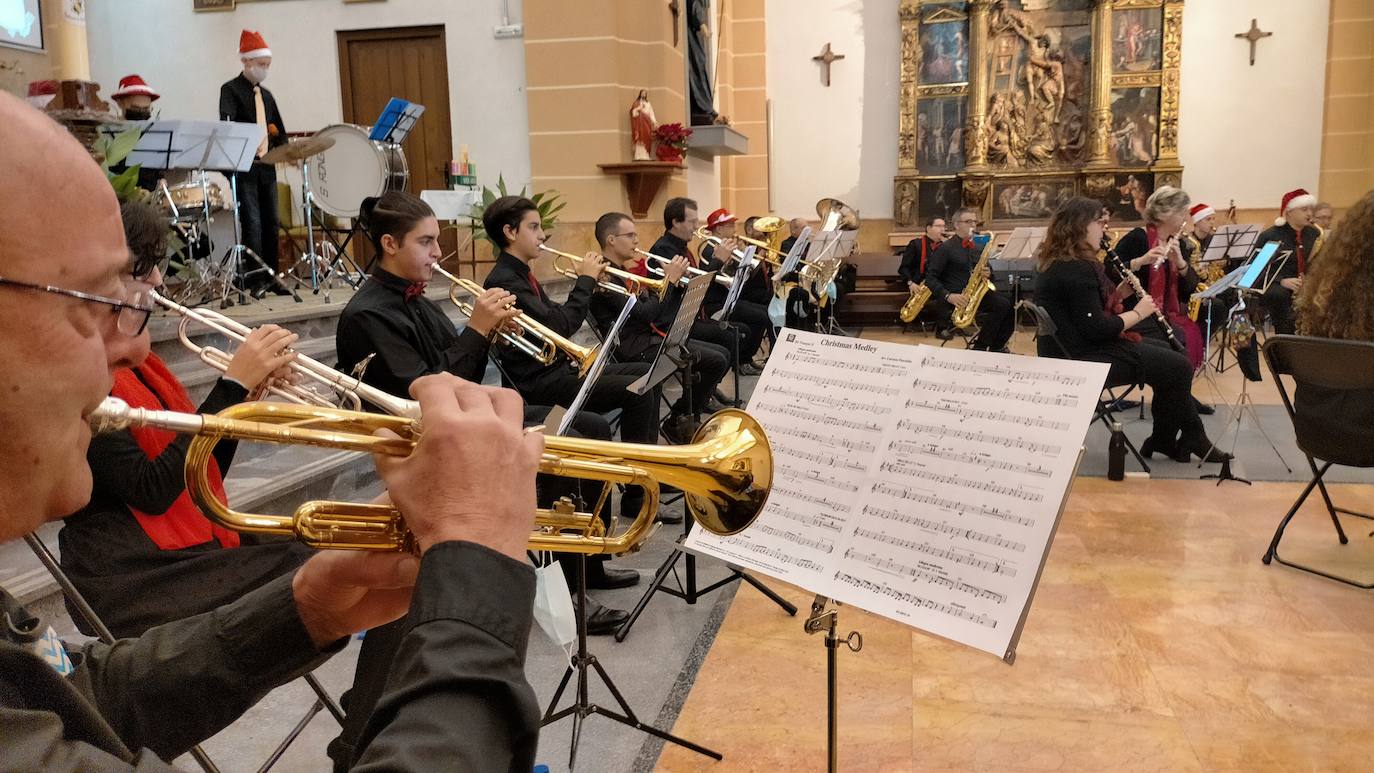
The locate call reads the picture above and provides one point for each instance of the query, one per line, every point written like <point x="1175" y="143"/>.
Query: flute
<point x="1129" y="275"/>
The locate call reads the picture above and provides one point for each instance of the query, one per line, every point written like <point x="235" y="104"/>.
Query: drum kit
<point x="339" y="165"/>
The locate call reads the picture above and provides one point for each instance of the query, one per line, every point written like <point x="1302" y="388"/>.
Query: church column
<point x="1101" y="126"/>
<point x="976" y="143"/>
<point x="67" y="28"/>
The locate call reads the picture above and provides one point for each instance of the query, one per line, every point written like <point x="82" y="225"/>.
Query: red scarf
<point x="182" y="525"/>
<point x="1111" y="302"/>
<point x="1164" y="289"/>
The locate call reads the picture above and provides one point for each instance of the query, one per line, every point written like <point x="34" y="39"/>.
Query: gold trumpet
<point x="726" y="474"/>
<point x="692" y="271"/>
<point x="549" y="343"/>
<point x="635" y="282"/>
<point x="349" y="389"/>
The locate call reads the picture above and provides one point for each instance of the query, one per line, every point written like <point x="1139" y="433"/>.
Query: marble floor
<point x="1157" y="642"/>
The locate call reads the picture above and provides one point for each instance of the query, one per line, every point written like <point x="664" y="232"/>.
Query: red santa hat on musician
<point x="252" y="45"/>
<point x="133" y="85"/>
<point x="1201" y="212"/>
<point x="719" y="217"/>
<point x="1294" y="199"/>
<point x="41" y="93"/>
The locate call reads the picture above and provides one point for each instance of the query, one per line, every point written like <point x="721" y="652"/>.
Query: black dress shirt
<point x="916" y="257"/>
<point x="647" y="324"/>
<point x="950" y="266"/>
<point x="1288" y="241"/>
<point x="456" y="695"/>
<point x="513" y="275"/>
<point x="1136" y="243"/>
<point x="1071" y="292"/>
<point x="236" y="104"/>
<point x="411" y="338"/>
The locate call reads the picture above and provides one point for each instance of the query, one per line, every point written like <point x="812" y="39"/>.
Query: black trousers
<point x="639" y="413"/>
<point x="750" y="321"/>
<point x="1170" y="375"/>
<point x="712" y="363"/>
<point x="1278" y="301"/>
<point x="257" y="192"/>
<point x="995" y="322"/>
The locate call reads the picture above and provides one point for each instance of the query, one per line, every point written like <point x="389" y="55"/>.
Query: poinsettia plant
<point x="671" y="141"/>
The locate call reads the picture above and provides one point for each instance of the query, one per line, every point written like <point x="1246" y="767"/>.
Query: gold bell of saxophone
<point x="978" y="287"/>
<point x="725" y="474"/>
<point x="912" y="308"/>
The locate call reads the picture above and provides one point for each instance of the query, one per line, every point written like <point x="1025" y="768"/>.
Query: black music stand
<point x="1021" y="246"/>
<point x="1231" y="242"/>
<point x="688" y="591"/>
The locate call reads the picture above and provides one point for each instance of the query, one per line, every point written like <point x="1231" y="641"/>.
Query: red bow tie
<point x="968" y="244"/>
<point x="414" y="290"/>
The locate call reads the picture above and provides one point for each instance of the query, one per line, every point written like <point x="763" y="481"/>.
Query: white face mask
<point x="255" y="73"/>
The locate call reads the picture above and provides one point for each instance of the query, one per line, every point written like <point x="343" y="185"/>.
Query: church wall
<point x="743" y="98"/>
<point x="1348" y="143"/>
<point x="187" y="55"/>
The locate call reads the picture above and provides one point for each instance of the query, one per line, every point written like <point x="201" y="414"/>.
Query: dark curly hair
<point x="1335" y="298"/>
<point x="145" y="232"/>
<point x="1068" y="227"/>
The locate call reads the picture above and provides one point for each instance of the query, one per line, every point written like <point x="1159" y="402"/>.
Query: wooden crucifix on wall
<point x="1253" y="35"/>
<point x="827" y="58"/>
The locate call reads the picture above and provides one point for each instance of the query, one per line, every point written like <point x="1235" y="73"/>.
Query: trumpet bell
<point x="735" y="454"/>
<point x="768" y="224"/>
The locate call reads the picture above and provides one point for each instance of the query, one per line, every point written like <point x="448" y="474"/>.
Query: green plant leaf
<point x="121" y="146"/>
<point x="125" y="183"/>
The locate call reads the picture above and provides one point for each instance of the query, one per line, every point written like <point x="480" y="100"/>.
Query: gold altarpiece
<point x="1013" y="106"/>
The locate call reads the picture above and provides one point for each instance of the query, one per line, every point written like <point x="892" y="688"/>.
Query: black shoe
<point x="606" y="578"/>
<point x="277" y="289"/>
<point x="679" y="429"/>
<point x="945" y="333"/>
<point x="669" y="517"/>
<point x="1118" y="406"/>
<point x="603" y="620"/>
<point x="1203" y="449"/>
<point x="1203" y="409"/>
<point x="1152" y="446"/>
<point x="750" y="369"/>
<point x="712" y="406"/>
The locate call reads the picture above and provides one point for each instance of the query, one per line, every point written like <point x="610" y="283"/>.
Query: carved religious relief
<point x="904" y="203"/>
<point x="1169" y="81"/>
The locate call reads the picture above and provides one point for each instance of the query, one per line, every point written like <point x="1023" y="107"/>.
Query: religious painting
<point x="1137" y="39"/>
<point x="1134" y="140"/>
<point x="940" y="135"/>
<point x="21" y="24"/>
<point x="1040" y="79"/>
<point x="1030" y="199"/>
<point x="938" y="198"/>
<point x="944" y="52"/>
<point x="1129" y="192"/>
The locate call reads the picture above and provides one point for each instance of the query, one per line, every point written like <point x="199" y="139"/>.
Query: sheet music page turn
<point x="919" y="483"/>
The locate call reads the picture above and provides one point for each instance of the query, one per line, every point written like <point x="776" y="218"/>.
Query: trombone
<point x="726" y="474"/>
<point x="692" y="271"/>
<point x="635" y="282"/>
<point x="549" y="343"/>
<point x="350" y="389"/>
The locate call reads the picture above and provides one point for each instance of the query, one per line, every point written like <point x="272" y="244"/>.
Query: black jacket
<point x="1135" y="243"/>
<point x="648" y="322"/>
<point x="410" y="338"/>
<point x="1071" y="292"/>
<point x="236" y="103"/>
<point x="915" y="258"/>
<point x="457" y="690"/>
<point x="950" y="266"/>
<point x="512" y="274"/>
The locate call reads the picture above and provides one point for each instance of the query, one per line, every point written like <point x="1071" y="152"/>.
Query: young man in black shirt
<point x="918" y="251"/>
<point x="1296" y="236"/>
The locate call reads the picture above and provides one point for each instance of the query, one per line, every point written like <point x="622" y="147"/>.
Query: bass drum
<point x="355" y="168"/>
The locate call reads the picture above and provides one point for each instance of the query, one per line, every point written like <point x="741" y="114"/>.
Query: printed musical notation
<point x="986" y="438"/>
<point x="909" y="471"/>
<point x="941" y="527"/>
<point x="968" y="558"/>
<point x="953" y="505"/>
<point x="884" y="564"/>
<point x="1017" y="375"/>
<point x="921" y="484"/>
<point x="993" y="393"/>
<point x="914" y="600"/>
<point x="997" y="416"/>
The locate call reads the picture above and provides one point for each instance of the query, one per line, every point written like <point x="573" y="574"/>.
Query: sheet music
<point x="919" y="483"/>
<point x="603" y="356"/>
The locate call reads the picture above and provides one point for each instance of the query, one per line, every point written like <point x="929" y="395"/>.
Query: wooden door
<point x="410" y="63"/>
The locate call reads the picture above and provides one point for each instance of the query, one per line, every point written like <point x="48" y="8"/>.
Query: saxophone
<point x="973" y="293"/>
<point x="912" y="308"/>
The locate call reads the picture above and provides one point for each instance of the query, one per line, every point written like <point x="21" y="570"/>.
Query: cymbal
<point x="297" y="150"/>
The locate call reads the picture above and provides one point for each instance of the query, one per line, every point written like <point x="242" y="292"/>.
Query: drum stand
<point x="234" y="258"/>
<point x="323" y="271"/>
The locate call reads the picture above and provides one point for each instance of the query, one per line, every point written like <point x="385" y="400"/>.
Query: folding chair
<point x="1336" y="371"/>
<point x="322" y="699"/>
<point x="1045" y="331"/>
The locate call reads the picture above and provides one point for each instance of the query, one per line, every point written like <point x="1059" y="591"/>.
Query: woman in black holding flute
<point x="1092" y="325"/>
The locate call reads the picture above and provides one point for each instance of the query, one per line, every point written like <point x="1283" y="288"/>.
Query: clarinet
<point x="1129" y="275"/>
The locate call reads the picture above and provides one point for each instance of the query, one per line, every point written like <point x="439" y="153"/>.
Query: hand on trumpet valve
<point x="675" y="269"/>
<point x="265" y="351"/>
<point x="453" y="488"/>
<point x="491" y="311"/>
<point x="592" y="265"/>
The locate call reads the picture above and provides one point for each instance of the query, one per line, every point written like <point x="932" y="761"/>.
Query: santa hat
<point x="41" y="93"/>
<point x="1295" y="199"/>
<point x="252" y="46"/>
<point x="719" y="217"/>
<point x="1201" y="212"/>
<point x="130" y="85"/>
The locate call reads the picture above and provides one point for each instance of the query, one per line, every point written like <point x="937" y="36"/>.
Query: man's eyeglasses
<point x="634" y="235"/>
<point x="132" y="317"/>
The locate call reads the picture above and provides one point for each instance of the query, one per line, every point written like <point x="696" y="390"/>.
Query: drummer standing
<point x="244" y="100"/>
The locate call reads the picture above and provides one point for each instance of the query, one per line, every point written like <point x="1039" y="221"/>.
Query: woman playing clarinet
<point x="1093" y="325"/>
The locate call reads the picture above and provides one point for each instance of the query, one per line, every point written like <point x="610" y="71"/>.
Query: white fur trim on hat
<point x="1305" y="200"/>
<point x="1203" y="214"/>
<point x="256" y="53"/>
